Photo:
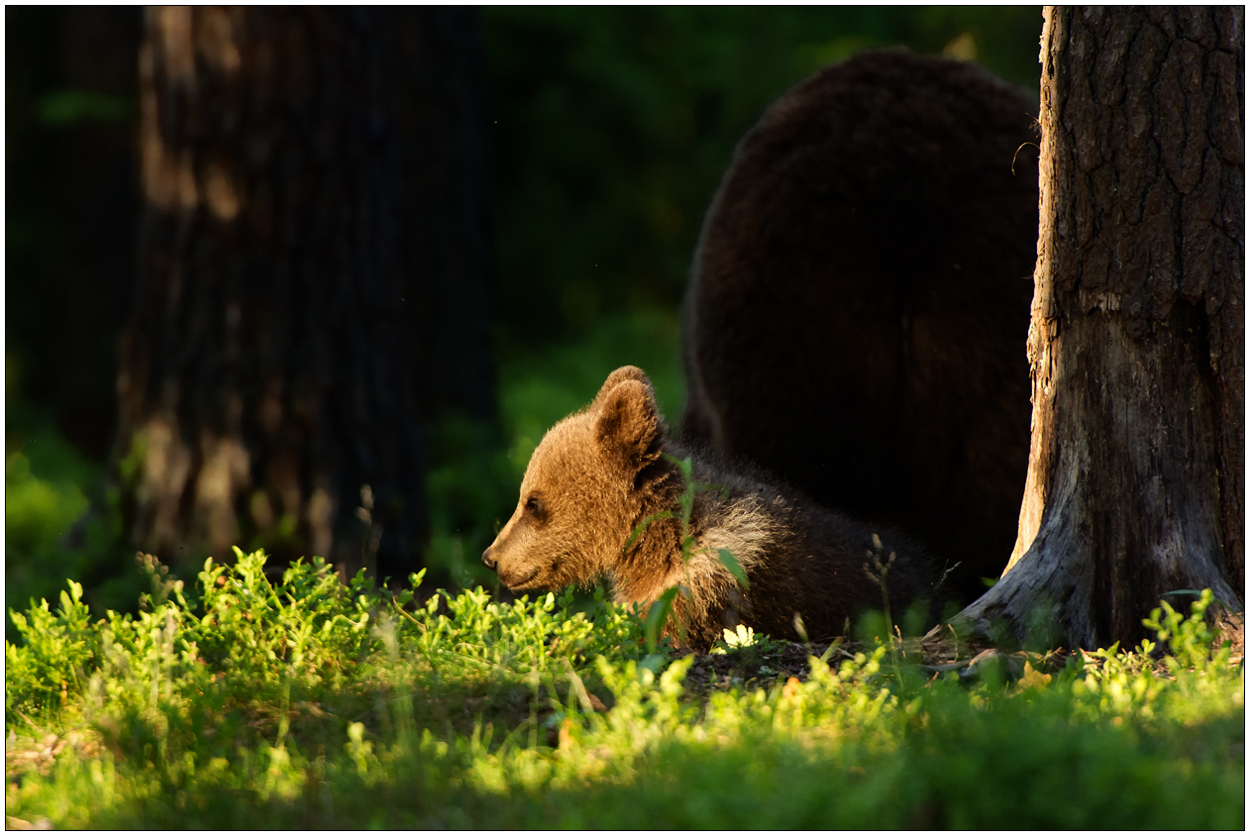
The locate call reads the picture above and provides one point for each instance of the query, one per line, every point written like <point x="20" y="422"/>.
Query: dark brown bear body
<point x="599" y="473"/>
<point x="859" y="303"/>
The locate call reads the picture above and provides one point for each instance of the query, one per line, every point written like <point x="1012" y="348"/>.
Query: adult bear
<point x="859" y="301"/>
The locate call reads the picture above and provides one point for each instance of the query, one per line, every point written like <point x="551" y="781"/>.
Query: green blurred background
<point x="610" y="128"/>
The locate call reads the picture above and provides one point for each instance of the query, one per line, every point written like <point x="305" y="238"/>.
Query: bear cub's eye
<point x="534" y="507"/>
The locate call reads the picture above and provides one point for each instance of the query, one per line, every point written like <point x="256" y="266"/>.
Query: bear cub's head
<point x="584" y="490"/>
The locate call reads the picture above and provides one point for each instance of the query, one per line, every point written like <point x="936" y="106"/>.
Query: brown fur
<point x="859" y="302"/>
<point x="599" y="473"/>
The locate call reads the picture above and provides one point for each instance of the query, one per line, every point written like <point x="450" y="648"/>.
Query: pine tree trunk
<point x="447" y="197"/>
<point x="1136" y="472"/>
<point x="266" y="382"/>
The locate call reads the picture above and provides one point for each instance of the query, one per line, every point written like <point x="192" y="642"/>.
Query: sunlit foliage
<point x="314" y="703"/>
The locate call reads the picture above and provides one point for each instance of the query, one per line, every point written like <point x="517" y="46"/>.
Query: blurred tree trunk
<point x="268" y="395"/>
<point x="1136" y="477"/>
<point x="442" y="116"/>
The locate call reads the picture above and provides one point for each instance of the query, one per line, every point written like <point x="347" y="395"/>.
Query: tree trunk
<point x="1136" y="483"/>
<point x="266" y="389"/>
<point x="447" y="194"/>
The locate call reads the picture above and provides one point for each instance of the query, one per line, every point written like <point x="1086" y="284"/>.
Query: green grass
<point x="314" y="703"/>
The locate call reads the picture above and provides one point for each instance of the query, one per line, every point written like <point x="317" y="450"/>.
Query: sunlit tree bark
<point x="267" y="389"/>
<point x="1136" y="472"/>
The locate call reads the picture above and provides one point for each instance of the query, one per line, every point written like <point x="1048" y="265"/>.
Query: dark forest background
<point x="607" y="131"/>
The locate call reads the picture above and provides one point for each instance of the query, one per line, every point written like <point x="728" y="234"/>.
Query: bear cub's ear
<point x="627" y="421"/>
<point x="620" y="375"/>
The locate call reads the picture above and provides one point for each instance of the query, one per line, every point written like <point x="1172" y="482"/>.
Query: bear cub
<point x="600" y="473"/>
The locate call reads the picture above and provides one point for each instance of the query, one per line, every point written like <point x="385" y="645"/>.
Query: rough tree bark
<point x="1136" y="473"/>
<point x="265" y="375"/>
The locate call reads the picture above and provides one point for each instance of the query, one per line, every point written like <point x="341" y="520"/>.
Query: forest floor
<point x="238" y="701"/>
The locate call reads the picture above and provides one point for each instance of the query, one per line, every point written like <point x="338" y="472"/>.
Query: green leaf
<point x="1200" y="593"/>
<point x="731" y="563"/>
<point x="684" y="465"/>
<point x="637" y="532"/>
<point x="657" y="617"/>
<point x="654" y="663"/>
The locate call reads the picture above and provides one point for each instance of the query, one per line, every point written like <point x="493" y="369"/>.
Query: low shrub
<point x="310" y="702"/>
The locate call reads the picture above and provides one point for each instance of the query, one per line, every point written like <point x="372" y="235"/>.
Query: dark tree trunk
<point x="1136" y="472"/>
<point x="447" y="186"/>
<point x="266" y="374"/>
